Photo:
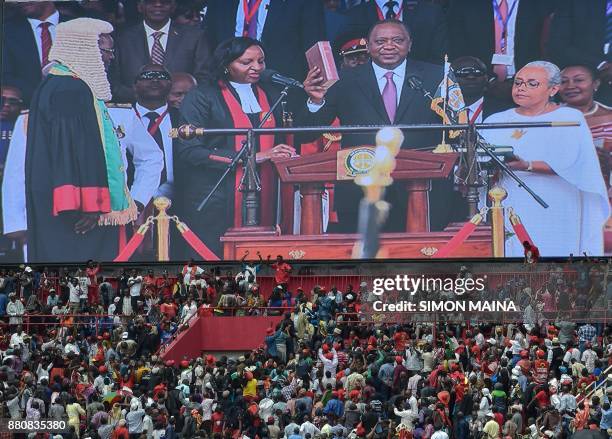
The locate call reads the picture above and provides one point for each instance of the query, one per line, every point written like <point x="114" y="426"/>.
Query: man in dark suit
<point x="180" y="48"/>
<point x="378" y="93"/>
<point x="581" y="33"/>
<point x="427" y="23"/>
<point x="505" y="36"/>
<point x="287" y="29"/>
<point x="27" y="41"/>
<point x="472" y="76"/>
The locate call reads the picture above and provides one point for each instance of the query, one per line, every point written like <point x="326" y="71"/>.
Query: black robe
<point x="196" y="174"/>
<point x="66" y="175"/>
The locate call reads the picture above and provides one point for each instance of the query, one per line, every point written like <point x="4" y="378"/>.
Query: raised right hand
<point x="313" y="85"/>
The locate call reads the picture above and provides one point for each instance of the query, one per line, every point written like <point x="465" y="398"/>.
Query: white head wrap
<point x="76" y="47"/>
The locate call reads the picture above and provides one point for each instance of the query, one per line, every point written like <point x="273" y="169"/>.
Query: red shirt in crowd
<point x="168" y="309"/>
<point x="217" y="422"/>
<point x="281" y="272"/>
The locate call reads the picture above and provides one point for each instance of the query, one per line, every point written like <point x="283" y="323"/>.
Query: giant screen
<point x="312" y="129"/>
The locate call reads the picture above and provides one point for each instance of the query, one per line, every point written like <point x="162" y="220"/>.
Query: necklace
<point x="592" y="110"/>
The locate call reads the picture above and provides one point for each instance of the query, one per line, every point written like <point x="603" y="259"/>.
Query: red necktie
<point x="158" y="55"/>
<point x="45" y="42"/>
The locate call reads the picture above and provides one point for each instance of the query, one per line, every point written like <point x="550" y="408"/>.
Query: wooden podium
<point x="415" y="168"/>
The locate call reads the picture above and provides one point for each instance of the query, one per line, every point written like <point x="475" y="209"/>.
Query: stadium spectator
<point x="182" y="83"/>
<point x="26" y="52"/>
<point x="286" y="29"/>
<point x="505" y="34"/>
<point x="426" y="21"/>
<point x="159" y="40"/>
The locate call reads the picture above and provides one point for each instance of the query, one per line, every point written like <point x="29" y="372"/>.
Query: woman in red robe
<point x="233" y="98"/>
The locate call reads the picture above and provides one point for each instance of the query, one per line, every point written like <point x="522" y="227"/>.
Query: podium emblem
<point x="354" y="162"/>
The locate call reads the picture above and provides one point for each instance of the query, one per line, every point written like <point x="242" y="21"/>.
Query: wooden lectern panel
<point x="321" y="167"/>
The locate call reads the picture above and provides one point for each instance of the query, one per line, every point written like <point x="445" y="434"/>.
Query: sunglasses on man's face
<point x="10" y="101"/>
<point x="464" y="72"/>
<point x="151" y="75"/>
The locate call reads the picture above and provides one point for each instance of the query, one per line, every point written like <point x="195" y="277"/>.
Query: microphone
<point x="416" y="83"/>
<point x="276" y="78"/>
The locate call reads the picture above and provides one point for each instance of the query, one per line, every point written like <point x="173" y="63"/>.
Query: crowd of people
<point x="326" y="370"/>
<point x="163" y="63"/>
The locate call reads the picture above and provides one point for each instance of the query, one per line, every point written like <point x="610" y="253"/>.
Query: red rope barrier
<point x="195" y="242"/>
<point x="133" y="244"/>
<point x="519" y="228"/>
<point x="452" y="245"/>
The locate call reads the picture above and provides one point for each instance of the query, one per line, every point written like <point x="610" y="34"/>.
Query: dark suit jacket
<point x="356" y="100"/>
<point x="291" y="28"/>
<point x="471" y="30"/>
<point x="427" y="23"/>
<point x="578" y="32"/>
<point x="186" y="51"/>
<point x="20" y="60"/>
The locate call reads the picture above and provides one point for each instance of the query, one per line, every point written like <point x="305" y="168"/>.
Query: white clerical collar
<point x="380" y="72"/>
<point x="150" y="31"/>
<point x="53" y="19"/>
<point x="248" y="100"/>
<point x="142" y="110"/>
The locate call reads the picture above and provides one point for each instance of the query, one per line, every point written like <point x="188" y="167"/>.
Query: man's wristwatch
<point x="529" y="166"/>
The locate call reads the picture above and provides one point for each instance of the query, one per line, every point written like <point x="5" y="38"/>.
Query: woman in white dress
<point x="559" y="163"/>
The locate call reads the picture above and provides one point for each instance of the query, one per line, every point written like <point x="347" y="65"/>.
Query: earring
<point x="225" y="71"/>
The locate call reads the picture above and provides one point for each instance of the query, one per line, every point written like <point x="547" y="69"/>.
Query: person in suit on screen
<point x="378" y="93"/>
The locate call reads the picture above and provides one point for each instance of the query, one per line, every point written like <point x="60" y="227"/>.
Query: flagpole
<point x="444" y="147"/>
<point x="445" y="94"/>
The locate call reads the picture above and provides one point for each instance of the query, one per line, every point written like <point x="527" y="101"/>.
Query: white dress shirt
<point x="14" y="217"/>
<point x="164" y="128"/>
<point x="147" y="158"/>
<point x="474" y="108"/>
<point x="511" y="32"/>
<point x="398" y="78"/>
<point x="164" y="38"/>
<point x="54" y="20"/>
<point x="396" y="8"/>
<point x="248" y="100"/>
<point x="262" y="13"/>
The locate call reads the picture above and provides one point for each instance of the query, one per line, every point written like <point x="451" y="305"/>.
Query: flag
<point x="450" y="91"/>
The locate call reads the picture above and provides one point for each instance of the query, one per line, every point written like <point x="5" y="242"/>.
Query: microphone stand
<point x="475" y="140"/>
<point x="250" y="183"/>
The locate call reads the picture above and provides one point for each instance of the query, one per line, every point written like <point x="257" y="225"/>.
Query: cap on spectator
<point x="540" y="353"/>
<point x="363" y="284"/>
<point x="124" y="336"/>
<point x="169" y="363"/>
<point x="184" y="363"/>
<point x="325" y="347"/>
<point x="28" y="269"/>
<point x="269" y="331"/>
<point x="337" y="331"/>
<point x="102" y="369"/>
<point x="398" y="359"/>
<point x="241" y="359"/>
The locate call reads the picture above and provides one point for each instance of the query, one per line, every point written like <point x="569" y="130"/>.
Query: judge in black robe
<point x="66" y="175"/>
<point x="199" y="163"/>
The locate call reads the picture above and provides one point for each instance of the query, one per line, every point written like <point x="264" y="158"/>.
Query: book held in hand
<point x="320" y="55"/>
